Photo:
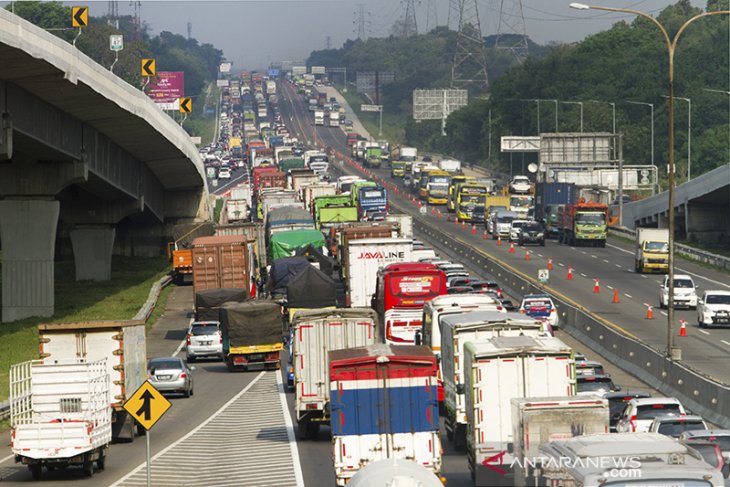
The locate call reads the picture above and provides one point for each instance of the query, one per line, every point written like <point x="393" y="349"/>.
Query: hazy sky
<point x="254" y="33"/>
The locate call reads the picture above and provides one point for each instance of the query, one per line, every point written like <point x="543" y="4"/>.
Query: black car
<point x="596" y="384"/>
<point x="532" y="232"/>
<point x="617" y="402"/>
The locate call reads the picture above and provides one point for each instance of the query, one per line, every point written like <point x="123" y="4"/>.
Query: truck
<point x="180" y="253"/>
<point x="456" y="331"/>
<point x="652" y="250"/>
<point x="583" y="224"/>
<point x="222" y="262"/>
<point x="60" y="414"/>
<point x="314" y="334"/>
<point x="123" y="347"/>
<point x="384" y="406"/>
<point x="333" y="209"/>
<point x="237" y="210"/>
<point x="285" y="244"/>
<point x="397" y="168"/>
<point x="252" y="333"/>
<point x="373" y="155"/>
<point x="335" y="118"/>
<point x="403" y="224"/>
<point x="383" y="472"/>
<point x="312" y="191"/>
<point x="451" y="166"/>
<point x="361" y="260"/>
<point x="319" y="117"/>
<point x="495" y="371"/>
<point x="372" y="203"/>
<point x="539" y="420"/>
<point x="521" y="203"/>
<point x="471" y="203"/>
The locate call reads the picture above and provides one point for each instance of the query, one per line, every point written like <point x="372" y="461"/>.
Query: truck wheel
<point x="35" y="470"/>
<point x="303" y="428"/>
<point x="101" y="461"/>
<point x="88" y="465"/>
<point x="312" y="431"/>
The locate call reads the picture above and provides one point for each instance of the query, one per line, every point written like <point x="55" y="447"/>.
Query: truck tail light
<point x="632" y="421"/>
<point x="187" y="339"/>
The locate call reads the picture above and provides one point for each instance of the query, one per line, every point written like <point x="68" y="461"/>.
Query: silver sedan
<point x="171" y="375"/>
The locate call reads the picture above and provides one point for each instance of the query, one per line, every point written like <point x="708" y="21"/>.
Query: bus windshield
<point x="590" y="218"/>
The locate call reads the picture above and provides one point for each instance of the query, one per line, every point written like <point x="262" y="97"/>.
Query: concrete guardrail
<point x="684" y="250"/>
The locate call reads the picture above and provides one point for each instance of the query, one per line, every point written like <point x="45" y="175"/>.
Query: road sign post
<point x="116" y="44"/>
<point x="147" y="405"/>
<point x="375" y="108"/>
<point x="79" y="19"/>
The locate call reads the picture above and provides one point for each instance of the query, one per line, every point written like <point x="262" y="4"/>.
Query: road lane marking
<point x="644" y="276"/>
<point x="726" y="343"/>
<point x="583" y="275"/>
<point x="605" y="260"/>
<point x="628" y="296"/>
<point x="664" y="313"/>
<point x="561" y="264"/>
<point x="703" y="331"/>
<point x="595" y="257"/>
<point x="290" y="431"/>
<point x="609" y="287"/>
<point x="179" y="348"/>
<point x="3" y="460"/>
<point x="618" y="265"/>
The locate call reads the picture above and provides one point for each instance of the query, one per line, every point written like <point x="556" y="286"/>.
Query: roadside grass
<point x="393" y="126"/>
<point x="119" y="298"/>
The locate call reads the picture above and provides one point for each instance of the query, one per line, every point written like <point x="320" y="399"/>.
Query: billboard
<point x="437" y="104"/>
<point x="365" y="81"/>
<point x="295" y="70"/>
<point x="221" y="83"/>
<point x="225" y="67"/>
<point x="166" y="89"/>
<point x="317" y="70"/>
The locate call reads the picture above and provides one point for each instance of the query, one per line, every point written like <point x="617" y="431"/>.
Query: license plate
<point x="256" y="356"/>
<point x="164" y="377"/>
<point x="205" y="343"/>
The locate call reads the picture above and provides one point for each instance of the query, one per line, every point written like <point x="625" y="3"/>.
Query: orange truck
<point x="583" y="224"/>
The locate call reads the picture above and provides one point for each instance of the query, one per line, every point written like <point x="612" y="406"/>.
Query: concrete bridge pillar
<point x="92" y="247"/>
<point x="28" y="235"/>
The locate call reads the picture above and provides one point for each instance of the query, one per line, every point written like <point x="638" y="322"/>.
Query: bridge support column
<point x="92" y="247"/>
<point x="28" y="236"/>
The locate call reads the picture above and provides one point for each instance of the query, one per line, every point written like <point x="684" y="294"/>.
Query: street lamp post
<point x="672" y="352"/>
<point x="689" y="135"/>
<point x="651" y="106"/>
<point x="579" y="103"/>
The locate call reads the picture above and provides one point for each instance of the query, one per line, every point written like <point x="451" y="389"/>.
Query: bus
<point x="401" y="291"/>
<point x="434" y="186"/>
<point x="453" y="190"/>
<point x="471" y="202"/>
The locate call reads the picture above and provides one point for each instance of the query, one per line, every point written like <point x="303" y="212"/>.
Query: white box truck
<point x="60" y="414"/>
<point x="122" y="343"/>
<point x="363" y="258"/>
<point x="319" y="117"/>
<point x="456" y="331"/>
<point x="403" y="223"/>
<point x="315" y="333"/>
<point x="652" y="250"/>
<point x="495" y="372"/>
<point x="539" y="420"/>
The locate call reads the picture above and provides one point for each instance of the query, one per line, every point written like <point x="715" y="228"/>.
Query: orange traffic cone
<point x="649" y="312"/>
<point x="527" y="255"/>
<point x="433" y="211"/>
<point x="550" y="264"/>
<point x="473" y="229"/>
<point x="596" y="288"/>
<point x="570" y="274"/>
<point x="682" y="328"/>
<point x="463" y="225"/>
<point x="499" y="241"/>
<point x="511" y="248"/>
<point x="484" y="235"/>
<point x="615" y="295"/>
<point x="438" y="214"/>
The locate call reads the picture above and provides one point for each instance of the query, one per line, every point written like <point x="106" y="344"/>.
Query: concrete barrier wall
<point x="700" y="394"/>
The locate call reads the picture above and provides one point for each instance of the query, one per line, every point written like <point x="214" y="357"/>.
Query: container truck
<point x="362" y="259"/>
<point x="121" y="344"/>
<point x="315" y="333"/>
<point x="402" y="223"/>
<point x="334" y="118"/>
<point x="312" y="191"/>
<point x="583" y="224"/>
<point x="521" y="204"/>
<point x="539" y="420"/>
<point x="221" y="262"/>
<point x="252" y="334"/>
<point x="373" y="155"/>
<point x="456" y="331"/>
<point x="319" y="117"/>
<point x="343" y="234"/>
<point x="237" y="210"/>
<point x="384" y="405"/>
<point x="285" y="244"/>
<point x="60" y="414"/>
<point x="495" y="371"/>
<point x="333" y="209"/>
<point x="652" y="250"/>
<point x="290" y="163"/>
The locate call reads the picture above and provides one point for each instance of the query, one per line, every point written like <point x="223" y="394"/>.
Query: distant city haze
<point x="254" y="33"/>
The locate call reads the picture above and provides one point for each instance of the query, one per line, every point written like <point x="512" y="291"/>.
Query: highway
<point x="707" y="351"/>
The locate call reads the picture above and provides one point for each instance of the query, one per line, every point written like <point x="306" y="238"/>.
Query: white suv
<point x="204" y="339"/>
<point x="714" y="308"/>
<point x="520" y="184"/>
<point x="685" y="292"/>
<point x="639" y="413"/>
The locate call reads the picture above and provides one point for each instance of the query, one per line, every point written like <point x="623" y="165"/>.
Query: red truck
<point x="583" y="224"/>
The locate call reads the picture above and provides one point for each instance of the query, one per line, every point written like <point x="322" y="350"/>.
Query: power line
<point x="469" y="66"/>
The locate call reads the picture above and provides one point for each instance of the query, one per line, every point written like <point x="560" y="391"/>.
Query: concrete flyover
<point x="88" y="164"/>
<point x="703" y="208"/>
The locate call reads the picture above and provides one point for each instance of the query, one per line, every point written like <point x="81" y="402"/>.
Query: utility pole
<point x="136" y="19"/>
<point x="190" y="30"/>
<point x="113" y="13"/>
<point x="512" y="22"/>
<point x="469" y="66"/>
<point x="410" y="26"/>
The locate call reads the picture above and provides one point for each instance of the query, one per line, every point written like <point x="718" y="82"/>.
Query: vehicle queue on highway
<point x="378" y="336"/>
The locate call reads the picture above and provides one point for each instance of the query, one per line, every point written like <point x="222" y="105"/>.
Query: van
<point x="502" y="223"/>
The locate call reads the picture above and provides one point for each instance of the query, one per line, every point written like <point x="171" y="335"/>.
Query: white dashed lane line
<point x="606" y="261"/>
<point x="618" y="265"/>
<point x="664" y="313"/>
<point x="583" y="275"/>
<point x="628" y="296"/>
<point x="703" y="331"/>
<point x="561" y="264"/>
<point x="726" y="343"/>
<point x="609" y="287"/>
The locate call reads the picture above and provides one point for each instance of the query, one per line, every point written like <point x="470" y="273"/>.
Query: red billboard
<point x="167" y="88"/>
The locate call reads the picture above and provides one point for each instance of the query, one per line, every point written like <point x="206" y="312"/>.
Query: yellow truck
<point x="253" y="334"/>
<point x="453" y="190"/>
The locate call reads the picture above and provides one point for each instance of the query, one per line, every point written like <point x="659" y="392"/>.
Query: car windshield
<point x="200" y="330"/>
<point x="709" y="454"/>
<point x="592" y="218"/>
<point x="676" y="428"/>
<point x="532" y="227"/>
<point x="657" y="246"/>
<point x="722" y="441"/>
<point x="717" y="299"/>
<point x="616" y="406"/>
<point x="521" y="202"/>
<point x="164" y="364"/>
<point x="651" y="411"/>
<point x="594" y="385"/>
<point x="518" y="224"/>
<point x="505" y="219"/>
<point x="683" y="283"/>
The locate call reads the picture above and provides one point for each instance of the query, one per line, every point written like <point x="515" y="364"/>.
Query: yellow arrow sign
<point x="147" y="405"/>
<point x="186" y="105"/>
<point x="149" y="67"/>
<point x="79" y="16"/>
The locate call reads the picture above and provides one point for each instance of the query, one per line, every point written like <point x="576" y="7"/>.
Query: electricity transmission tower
<point x="432" y="19"/>
<point x="469" y="67"/>
<point x="136" y="19"/>
<point x="190" y="30"/>
<point x="113" y="13"/>
<point x="410" y="27"/>
<point x="362" y="21"/>
<point x="512" y="23"/>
